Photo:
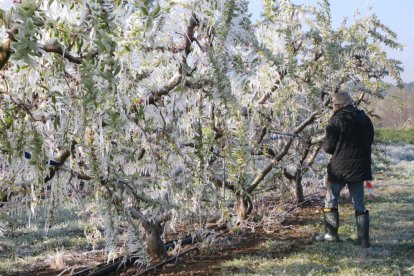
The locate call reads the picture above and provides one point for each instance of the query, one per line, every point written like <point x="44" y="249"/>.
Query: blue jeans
<point x="356" y="189"/>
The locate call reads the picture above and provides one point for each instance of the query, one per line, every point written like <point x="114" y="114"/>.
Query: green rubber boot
<point x="331" y="221"/>
<point x="362" y="221"/>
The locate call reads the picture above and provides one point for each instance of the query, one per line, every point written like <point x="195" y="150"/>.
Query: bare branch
<point x="262" y="174"/>
<point x="56" y="48"/>
<point x="177" y="78"/>
<point x="314" y="154"/>
<point x="288" y="175"/>
<point x="190" y="33"/>
<point x="162" y="217"/>
<point x="360" y="98"/>
<point x="170" y="85"/>
<point x="20" y="103"/>
<point x="77" y="193"/>
<point x="57" y="162"/>
<point x="262" y="135"/>
<point x="189" y="38"/>
<point x="78" y="175"/>
<point x="265" y="97"/>
<point x="137" y="214"/>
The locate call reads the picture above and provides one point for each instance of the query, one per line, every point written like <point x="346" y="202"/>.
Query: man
<point x="349" y="136"/>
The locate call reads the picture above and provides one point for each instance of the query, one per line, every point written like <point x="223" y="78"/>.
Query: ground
<point x="291" y="249"/>
<point x="280" y="241"/>
<point x="285" y="247"/>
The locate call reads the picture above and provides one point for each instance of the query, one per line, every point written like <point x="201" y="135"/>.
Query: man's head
<point x="340" y="100"/>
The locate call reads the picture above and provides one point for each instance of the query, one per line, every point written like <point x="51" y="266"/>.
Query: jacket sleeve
<point x="332" y="133"/>
<point x="370" y="131"/>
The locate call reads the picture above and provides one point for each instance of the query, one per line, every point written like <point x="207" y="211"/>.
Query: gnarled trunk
<point x="297" y="188"/>
<point x="244" y="207"/>
<point x="154" y="244"/>
<point x="153" y="231"/>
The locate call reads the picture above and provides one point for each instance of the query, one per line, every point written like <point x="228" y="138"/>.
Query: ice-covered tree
<point x="154" y="110"/>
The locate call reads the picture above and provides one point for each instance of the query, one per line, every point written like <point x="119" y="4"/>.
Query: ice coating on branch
<point x="175" y="107"/>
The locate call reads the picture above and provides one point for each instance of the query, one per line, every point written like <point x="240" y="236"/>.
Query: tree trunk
<point x="153" y="231"/>
<point x="297" y="188"/>
<point x="154" y="244"/>
<point x="244" y="207"/>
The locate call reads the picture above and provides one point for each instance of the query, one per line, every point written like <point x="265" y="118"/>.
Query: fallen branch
<point x="169" y="260"/>
<point x="104" y="268"/>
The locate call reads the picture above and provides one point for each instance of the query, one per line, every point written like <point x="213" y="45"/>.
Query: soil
<point x="208" y="262"/>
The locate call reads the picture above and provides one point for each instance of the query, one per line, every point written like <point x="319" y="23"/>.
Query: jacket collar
<point x="349" y="107"/>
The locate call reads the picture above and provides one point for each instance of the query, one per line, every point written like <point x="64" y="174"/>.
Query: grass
<point x="26" y="247"/>
<point x="387" y="135"/>
<point x="392" y="238"/>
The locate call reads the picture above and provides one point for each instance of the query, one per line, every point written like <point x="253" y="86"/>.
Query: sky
<point x="5" y="4"/>
<point x="396" y="14"/>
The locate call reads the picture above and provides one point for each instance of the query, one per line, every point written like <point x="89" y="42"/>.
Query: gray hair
<point x="342" y="98"/>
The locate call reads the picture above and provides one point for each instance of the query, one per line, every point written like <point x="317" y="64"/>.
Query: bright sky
<point x="5" y="4"/>
<point x="396" y="14"/>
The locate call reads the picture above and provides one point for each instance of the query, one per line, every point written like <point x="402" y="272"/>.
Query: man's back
<point x="349" y="137"/>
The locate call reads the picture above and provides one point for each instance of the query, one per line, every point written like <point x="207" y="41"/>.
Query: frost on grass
<point x="399" y="152"/>
<point x="394" y="159"/>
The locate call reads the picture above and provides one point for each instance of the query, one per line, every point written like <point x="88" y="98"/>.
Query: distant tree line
<point x="395" y="109"/>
